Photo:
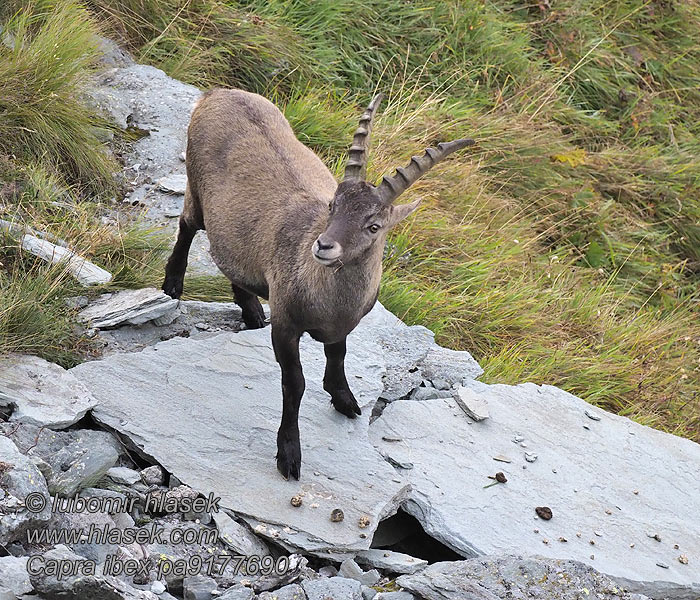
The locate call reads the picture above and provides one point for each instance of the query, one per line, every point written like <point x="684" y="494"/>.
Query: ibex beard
<point x="280" y="227"/>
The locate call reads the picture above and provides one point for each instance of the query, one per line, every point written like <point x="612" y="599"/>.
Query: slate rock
<point x="42" y="393"/>
<point x="496" y="578"/>
<point x="123" y="475"/>
<point x="583" y="475"/>
<point x="337" y="588"/>
<point x="233" y="381"/>
<point x="450" y="366"/>
<point x="428" y="393"/>
<point x="199" y="587"/>
<point x="472" y="403"/>
<point x="388" y="560"/>
<point x="129" y="307"/>
<point x="238" y="537"/>
<point x="174" y="183"/>
<point x="80" y="586"/>
<point x="289" y="592"/>
<point x="14" y="578"/>
<point x="394" y="596"/>
<point x="350" y="569"/>
<point x="18" y="478"/>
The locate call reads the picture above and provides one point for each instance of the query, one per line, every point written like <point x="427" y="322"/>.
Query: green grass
<point x="563" y="248"/>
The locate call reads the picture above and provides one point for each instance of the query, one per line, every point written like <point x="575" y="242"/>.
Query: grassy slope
<point x="565" y="247"/>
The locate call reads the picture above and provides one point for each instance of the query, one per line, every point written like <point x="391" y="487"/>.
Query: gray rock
<point x="153" y="475"/>
<point x="123" y="475"/>
<point x="337" y="588"/>
<point x="296" y="569"/>
<point x="174" y="183"/>
<point x="85" y="547"/>
<point x="289" y="592"/>
<point x="587" y="477"/>
<point x="83" y="585"/>
<point x="368" y="593"/>
<point x="472" y="403"/>
<point x="129" y="307"/>
<point x="199" y="587"/>
<point x="350" y="569"/>
<point x="112" y="54"/>
<point x="238" y="537"/>
<point x="328" y="571"/>
<point x="394" y="596"/>
<point x="14" y="578"/>
<point x="512" y="577"/>
<point x="428" y="393"/>
<point x="76" y="302"/>
<point x="157" y="587"/>
<point x="19" y="477"/>
<point x="41" y="392"/>
<point x="387" y="560"/>
<point x="143" y="97"/>
<point x="82" y="462"/>
<point x="229" y="449"/>
<point x="451" y="366"/>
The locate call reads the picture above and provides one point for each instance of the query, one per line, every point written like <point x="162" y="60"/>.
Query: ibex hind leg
<point x="253" y="314"/>
<point x="190" y="222"/>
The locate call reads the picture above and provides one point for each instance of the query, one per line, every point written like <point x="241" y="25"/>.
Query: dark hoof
<point x="254" y="319"/>
<point x="344" y="402"/>
<point x="289" y="459"/>
<point x="173" y="286"/>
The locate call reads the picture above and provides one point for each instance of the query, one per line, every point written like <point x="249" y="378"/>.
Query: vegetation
<point x="563" y="248"/>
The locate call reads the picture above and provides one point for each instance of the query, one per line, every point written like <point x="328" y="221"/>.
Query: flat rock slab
<point x="612" y="482"/>
<point x="41" y="393"/>
<point x="513" y="577"/>
<point x="132" y="307"/>
<point x="208" y="411"/>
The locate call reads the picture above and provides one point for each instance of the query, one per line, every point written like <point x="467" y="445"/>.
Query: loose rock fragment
<point x="591" y="415"/>
<point x="662" y="565"/>
<point x="364" y="522"/>
<point x="530" y="457"/>
<point x="500" y="477"/>
<point x="472" y="403"/>
<point x="654" y="536"/>
<point x="544" y="512"/>
<point x="295" y="501"/>
<point x="501" y="458"/>
<point x="683" y="559"/>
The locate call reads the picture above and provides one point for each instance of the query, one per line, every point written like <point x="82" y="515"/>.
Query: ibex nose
<point x="326" y="251"/>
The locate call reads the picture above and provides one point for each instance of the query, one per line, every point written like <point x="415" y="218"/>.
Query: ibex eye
<point x="374" y="228"/>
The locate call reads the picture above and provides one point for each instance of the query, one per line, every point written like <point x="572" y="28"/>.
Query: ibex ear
<point x="400" y="212"/>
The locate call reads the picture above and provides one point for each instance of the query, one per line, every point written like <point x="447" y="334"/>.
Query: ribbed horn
<point x="391" y="188"/>
<point x="356" y="168"/>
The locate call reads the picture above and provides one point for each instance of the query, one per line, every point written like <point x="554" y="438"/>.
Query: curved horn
<point x="357" y="159"/>
<point x="391" y="188"/>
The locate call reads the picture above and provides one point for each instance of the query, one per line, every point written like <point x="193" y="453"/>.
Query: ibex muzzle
<point x="281" y="227"/>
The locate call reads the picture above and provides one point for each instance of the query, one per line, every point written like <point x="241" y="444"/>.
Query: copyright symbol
<point x="35" y="502"/>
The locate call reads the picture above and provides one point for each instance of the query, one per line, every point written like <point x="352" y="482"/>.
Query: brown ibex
<point x="282" y="228"/>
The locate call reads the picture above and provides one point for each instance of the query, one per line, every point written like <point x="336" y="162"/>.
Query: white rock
<point x="388" y="560"/>
<point x="42" y="393"/>
<point x="238" y="537"/>
<point x="472" y="403"/>
<point x="123" y="475"/>
<point x="174" y="183"/>
<point x="128" y="307"/>
<point x="606" y="464"/>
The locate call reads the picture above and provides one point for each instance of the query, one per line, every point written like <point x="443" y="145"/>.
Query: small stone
<point x="587" y="427"/>
<point x="591" y="542"/>
<point x="631" y="545"/>
<point x="598" y="533"/>
<point x="296" y="501"/>
<point x="536" y="530"/>
<point x="608" y="511"/>
<point x="578" y="534"/>
<point x="654" y="536"/>
<point x="592" y="556"/>
<point x="662" y="565"/>
<point x="337" y="515"/>
<point x="153" y="475"/>
<point x="472" y="403"/>
<point x="563" y="539"/>
<point x="683" y="559"/>
<point x="157" y="587"/>
<point x="518" y="439"/>
<point x="501" y="458"/>
<point x="545" y="541"/>
<point x="636" y="492"/>
<point x="364" y="522"/>
<point x="500" y="477"/>
<point x="544" y="512"/>
<point x="530" y="457"/>
<point x="676" y="546"/>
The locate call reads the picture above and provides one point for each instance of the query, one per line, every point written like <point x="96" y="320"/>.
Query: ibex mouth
<point x="328" y="254"/>
<point x="327" y="262"/>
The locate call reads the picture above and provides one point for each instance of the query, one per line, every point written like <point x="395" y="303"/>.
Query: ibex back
<point x="282" y="228"/>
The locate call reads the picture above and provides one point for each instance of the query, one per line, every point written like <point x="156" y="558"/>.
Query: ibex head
<point x="361" y="214"/>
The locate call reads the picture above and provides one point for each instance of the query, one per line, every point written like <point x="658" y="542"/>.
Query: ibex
<point x="282" y="228"/>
